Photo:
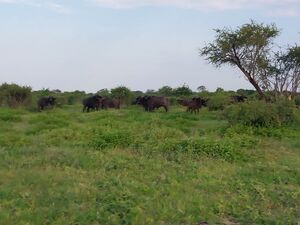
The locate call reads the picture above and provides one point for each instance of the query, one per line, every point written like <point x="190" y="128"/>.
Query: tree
<point x="165" y="90"/>
<point x="123" y="93"/>
<point x="184" y="90"/>
<point x="150" y="92"/>
<point x="201" y="88"/>
<point x="137" y="93"/>
<point x="246" y="48"/>
<point x="286" y="72"/>
<point x="104" y="92"/>
<point x="219" y="90"/>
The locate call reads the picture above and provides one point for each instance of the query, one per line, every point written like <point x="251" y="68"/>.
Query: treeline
<point x="253" y="112"/>
<point x="13" y="95"/>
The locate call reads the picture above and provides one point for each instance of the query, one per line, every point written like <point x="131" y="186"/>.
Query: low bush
<point x="261" y="114"/>
<point x="218" y="102"/>
<point x="13" y="95"/>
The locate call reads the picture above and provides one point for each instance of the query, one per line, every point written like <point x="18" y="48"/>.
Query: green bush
<point x="261" y="114"/>
<point x="13" y="95"/>
<point x="218" y="102"/>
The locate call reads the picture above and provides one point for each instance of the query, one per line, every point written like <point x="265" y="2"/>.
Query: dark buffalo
<point x="110" y="103"/>
<point x="151" y="103"/>
<point x="92" y="103"/>
<point x="238" y="98"/>
<point x="45" y="102"/>
<point x="183" y="102"/>
<point x="194" y="105"/>
<point x="200" y="100"/>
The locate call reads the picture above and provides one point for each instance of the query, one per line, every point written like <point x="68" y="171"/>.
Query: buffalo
<point x="151" y="103"/>
<point x="238" y="98"/>
<point x="110" y="103"/>
<point x="194" y="105"/>
<point x="92" y="103"/>
<point x="45" y="102"/>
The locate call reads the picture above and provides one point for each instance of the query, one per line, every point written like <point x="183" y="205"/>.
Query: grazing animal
<point x="91" y="103"/>
<point x="110" y="103"/>
<point x="194" y="105"/>
<point x="45" y="102"/>
<point x="238" y="98"/>
<point x="150" y="103"/>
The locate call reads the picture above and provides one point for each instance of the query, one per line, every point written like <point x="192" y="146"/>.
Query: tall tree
<point x="184" y="90"/>
<point x="165" y="90"/>
<point x="123" y="93"/>
<point x="201" y="88"/>
<point x="104" y="92"/>
<point x="246" y="48"/>
<point x="286" y="72"/>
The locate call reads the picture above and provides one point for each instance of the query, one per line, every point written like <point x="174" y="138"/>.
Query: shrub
<point x="13" y="95"/>
<point x="260" y="113"/>
<point x="218" y="102"/>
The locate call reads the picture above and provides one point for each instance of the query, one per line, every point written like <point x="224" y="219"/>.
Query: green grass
<point x="131" y="167"/>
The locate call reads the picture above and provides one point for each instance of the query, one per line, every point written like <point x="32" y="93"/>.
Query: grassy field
<point x="130" y="167"/>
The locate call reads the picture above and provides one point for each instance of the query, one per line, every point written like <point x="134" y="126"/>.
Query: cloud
<point x="50" y="5"/>
<point x="282" y="7"/>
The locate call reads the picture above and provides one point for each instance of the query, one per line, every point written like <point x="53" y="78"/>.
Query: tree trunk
<point x="253" y="82"/>
<point x="258" y="89"/>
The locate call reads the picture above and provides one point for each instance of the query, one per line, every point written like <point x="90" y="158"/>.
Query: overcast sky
<point x="143" y="44"/>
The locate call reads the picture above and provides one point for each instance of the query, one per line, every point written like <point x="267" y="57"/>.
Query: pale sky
<point x="142" y="44"/>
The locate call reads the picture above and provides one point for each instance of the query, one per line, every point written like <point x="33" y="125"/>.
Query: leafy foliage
<point x="285" y="70"/>
<point x="123" y="93"/>
<point x="246" y="48"/>
<point x="184" y="90"/>
<point x="218" y="102"/>
<point x="165" y="91"/>
<point x="14" y="95"/>
<point x="261" y="114"/>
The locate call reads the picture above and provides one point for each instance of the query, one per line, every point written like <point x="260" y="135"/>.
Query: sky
<point x="142" y="44"/>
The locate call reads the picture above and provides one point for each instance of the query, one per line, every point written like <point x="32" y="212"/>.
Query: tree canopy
<point x="246" y="48"/>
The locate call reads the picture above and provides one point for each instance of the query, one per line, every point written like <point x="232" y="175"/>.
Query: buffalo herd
<point x="149" y="103"/>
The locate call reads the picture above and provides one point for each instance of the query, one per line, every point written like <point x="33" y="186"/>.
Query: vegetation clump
<point x="13" y="95"/>
<point x="261" y="114"/>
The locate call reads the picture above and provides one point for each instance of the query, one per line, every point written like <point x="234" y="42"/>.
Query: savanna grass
<point x="62" y="166"/>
